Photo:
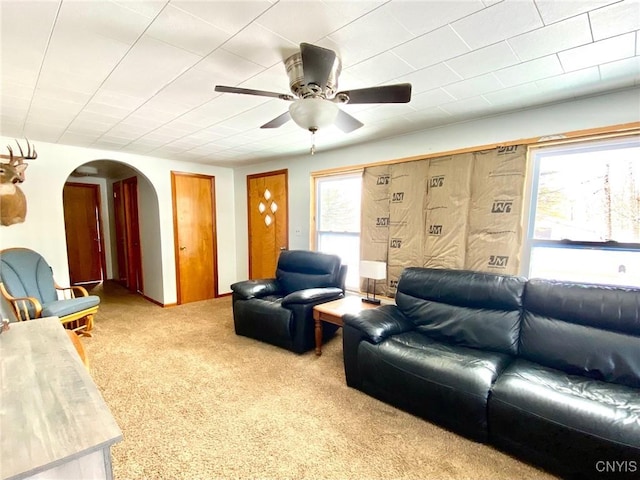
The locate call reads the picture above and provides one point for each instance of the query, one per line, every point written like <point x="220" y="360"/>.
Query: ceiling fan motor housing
<point x="293" y="64"/>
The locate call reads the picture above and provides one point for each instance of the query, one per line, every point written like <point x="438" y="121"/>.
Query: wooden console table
<point x="54" y="422"/>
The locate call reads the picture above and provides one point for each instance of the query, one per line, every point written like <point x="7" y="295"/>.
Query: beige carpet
<point x="195" y="401"/>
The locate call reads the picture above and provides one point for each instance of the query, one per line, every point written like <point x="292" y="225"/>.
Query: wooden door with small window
<point x="267" y="201"/>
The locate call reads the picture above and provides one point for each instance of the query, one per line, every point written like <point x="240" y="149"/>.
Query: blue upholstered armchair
<point x="26" y="282"/>
<point x="280" y="310"/>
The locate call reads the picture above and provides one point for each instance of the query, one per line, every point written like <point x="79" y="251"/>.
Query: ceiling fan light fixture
<point x="313" y="113"/>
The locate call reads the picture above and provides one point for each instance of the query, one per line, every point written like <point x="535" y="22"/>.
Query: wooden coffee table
<point x="332" y="312"/>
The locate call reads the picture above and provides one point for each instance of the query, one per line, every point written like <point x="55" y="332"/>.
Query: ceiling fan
<point x="313" y="78"/>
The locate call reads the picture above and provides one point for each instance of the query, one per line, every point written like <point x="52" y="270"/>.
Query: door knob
<point x="183" y="248"/>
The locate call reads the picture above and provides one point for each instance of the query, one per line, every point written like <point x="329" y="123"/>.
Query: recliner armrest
<point x="248" y="289"/>
<point x="312" y="296"/>
<point x="379" y="323"/>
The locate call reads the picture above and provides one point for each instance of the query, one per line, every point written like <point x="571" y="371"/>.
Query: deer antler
<point x="31" y="153"/>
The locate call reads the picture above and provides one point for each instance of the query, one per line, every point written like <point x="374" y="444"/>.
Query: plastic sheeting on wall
<point x="447" y="206"/>
<point x="374" y="224"/>
<point x="406" y="211"/>
<point x="458" y="211"/>
<point x="495" y="215"/>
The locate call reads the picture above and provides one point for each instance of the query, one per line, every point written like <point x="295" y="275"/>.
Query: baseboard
<point x="163" y="305"/>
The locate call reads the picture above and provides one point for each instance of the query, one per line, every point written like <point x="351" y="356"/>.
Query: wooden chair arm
<point x="83" y="291"/>
<point x="20" y="306"/>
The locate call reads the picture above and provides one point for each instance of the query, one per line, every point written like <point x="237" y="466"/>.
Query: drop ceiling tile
<point x="117" y="99"/>
<point x="473" y="87"/>
<point x="483" y="60"/>
<point x="570" y="82"/>
<point x="553" y="38"/>
<point x="615" y="19"/>
<point x="255" y="117"/>
<point x="83" y="140"/>
<point x="141" y="74"/>
<point x="82" y="54"/>
<point x="44" y="132"/>
<point x="226" y="68"/>
<point x="191" y="89"/>
<point x="60" y="93"/>
<point x="148" y="8"/>
<point x="380" y="69"/>
<point x="474" y="105"/>
<point x="430" y="99"/>
<point x="554" y="10"/>
<point x="498" y="22"/>
<point x="22" y="49"/>
<point x="515" y="96"/>
<point x="425" y="16"/>
<point x="603" y="51"/>
<point x="284" y="20"/>
<point x="128" y="129"/>
<point x="369" y="35"/>
<point x="230" y="16"/>
<point x="106" y="109"/>
<point x="259" y="45"/>
<point x="184" y="30"/>
<point x="61" y="111"/>
<point x="628" y="68"/>
<point x="105" y="19"/>
<point x="432" y="48"/>
<point x="272" y="79"/>
<point x="529" y="71"/>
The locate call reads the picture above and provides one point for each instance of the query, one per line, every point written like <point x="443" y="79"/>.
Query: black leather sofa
<point x="280" y="310"/>
<point x="549" y="371"/>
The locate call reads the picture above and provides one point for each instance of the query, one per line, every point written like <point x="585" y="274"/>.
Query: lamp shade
<point x="313" y="113"/>
<point x="373" y="270"/>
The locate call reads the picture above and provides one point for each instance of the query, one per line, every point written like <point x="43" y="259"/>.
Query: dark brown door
<point x="134" y="257"/>
<point x="267" y="201"/>
<point x="195" y="236"/>
<point x="83" y="230"/>
<point x="128" y="252"/>
<point x="121" y="238"/>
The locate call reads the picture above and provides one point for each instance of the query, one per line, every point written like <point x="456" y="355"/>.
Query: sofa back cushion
<point x="302" y="269"/>
<point x="582" y="329"/>
<point x="473" y="309"/>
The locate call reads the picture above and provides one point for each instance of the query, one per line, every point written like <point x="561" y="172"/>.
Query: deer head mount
<point x="13" y="203"/>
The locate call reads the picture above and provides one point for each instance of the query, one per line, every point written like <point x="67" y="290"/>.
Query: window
<point x="585" y="212"/>
<point x="338" y="220"/>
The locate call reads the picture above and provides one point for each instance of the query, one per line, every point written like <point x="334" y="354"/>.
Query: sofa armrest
<point x="312" y="296"/>
<point x="379" y="323"/>
<point x="248" y="289"/>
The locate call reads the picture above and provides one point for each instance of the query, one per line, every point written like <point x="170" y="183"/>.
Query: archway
<point x="106" y="173"/>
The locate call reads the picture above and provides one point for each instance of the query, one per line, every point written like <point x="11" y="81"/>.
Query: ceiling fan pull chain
<point x="313" y="142"/>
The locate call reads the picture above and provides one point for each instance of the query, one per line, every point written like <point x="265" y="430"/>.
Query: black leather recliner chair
<point x="280" y="310"/>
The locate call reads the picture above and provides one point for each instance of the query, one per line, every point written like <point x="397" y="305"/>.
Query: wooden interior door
<point x="195" y="236"/>
<point x="83" y="229"/>
<point x="120" y="233"/>
<point x="127" y="232"/>
<point x="268" y="216"/>
<point x="132" y="232"/>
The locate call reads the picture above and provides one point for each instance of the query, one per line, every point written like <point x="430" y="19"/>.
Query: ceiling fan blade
<point x="400" y="93"/>
<point x="346" y="122"/>
<point x="317" y="63"/>
<point x="248" y="91"/>
<point x="278" y="121"/>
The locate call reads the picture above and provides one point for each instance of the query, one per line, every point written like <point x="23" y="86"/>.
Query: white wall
<point x="43" y="229"/>
<point x="601" y="111"/>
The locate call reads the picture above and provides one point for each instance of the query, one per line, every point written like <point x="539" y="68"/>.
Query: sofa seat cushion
<point x="62" y="308"/>
<point x="570" y="418"/>
<point x="443" y="382"/>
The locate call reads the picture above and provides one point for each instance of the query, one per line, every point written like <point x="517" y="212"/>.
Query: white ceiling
<point x="138" y="75"/>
